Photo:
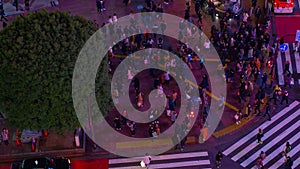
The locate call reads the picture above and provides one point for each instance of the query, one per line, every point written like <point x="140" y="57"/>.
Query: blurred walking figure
<point x="285" y="97"/>
<point x="259" y="163"/>
<point x="5" y="136"/>
<point x="287" y="149"/>
<point x="268" y="111"/>
<point x="52" y="2"/>
<point x="288" y="163"/>
<point x="262" y="155"/>
<point x="275" y="95"/>
<point x="238" y="117"/>
<point x="259" y="136"/>
<point x="145" y="163"/>
<point x="140" y="99"/>
<point x="219" y="157"/>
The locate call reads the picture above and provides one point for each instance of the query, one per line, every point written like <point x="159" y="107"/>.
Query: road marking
<point x="266" y="135"/>
<point x="297" y="59"/>
<point x="288" y="58"/>
<point x="271" y="144"/>
<point x="280" y="69"/>
<point x="263" y="126"/>
<point x="170" y="165"/>
<point x="160" y="157"/>
<point x="160" y="163"/>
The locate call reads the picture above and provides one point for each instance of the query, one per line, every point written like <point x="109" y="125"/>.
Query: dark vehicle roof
<point x="46" y="163"/>
<point x="35" y="163"/>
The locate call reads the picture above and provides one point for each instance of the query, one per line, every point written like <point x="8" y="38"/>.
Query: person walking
<point x="117" y="122"/>
<point x="259" y="163"/>
<point x="275" y="95"/>
<point x="287" y="149"/>
<point x="262" y="155"/>
<point x="219" y="157"/>
<point x="285" y="97"/>
<point x="146" y="161"/>
<point x="259" y="136"/>
<point x="52" y="2"/>
<point x="5" y="136"/>
<point x="288" y="163"/>
<point x="268" y="111"/>
<point x="238" y="117"/>
<point x="257" y="107"/>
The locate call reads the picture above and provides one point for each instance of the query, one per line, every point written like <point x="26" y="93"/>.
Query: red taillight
<point x="275" y="3"/>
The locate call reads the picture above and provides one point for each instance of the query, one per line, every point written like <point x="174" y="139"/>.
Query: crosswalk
<point x="180" y="160"/>
<point x="293" y="58"/>
<point x="283" y="127"/>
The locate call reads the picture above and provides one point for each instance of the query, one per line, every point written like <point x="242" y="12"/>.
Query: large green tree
<point x="37" y="57"/>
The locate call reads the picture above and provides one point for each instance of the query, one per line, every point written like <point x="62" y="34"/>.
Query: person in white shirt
<point x="110" y="19"/>
<point x="115" y="18"/>
<point x="146" y="161"/>
<point x="245" y="17"/>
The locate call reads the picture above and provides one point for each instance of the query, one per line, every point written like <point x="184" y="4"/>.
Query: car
<point x="46" y="163"/>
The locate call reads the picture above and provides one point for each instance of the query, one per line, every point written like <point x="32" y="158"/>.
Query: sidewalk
<point x="52" y="145"/>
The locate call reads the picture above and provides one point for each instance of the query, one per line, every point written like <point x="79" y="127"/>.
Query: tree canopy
<point x="37" y="57"/>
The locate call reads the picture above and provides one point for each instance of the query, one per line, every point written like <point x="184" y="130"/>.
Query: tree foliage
<point x="37" y="58"/>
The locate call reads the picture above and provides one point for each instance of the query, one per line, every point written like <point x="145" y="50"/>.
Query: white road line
<point x="268" y="146"/>
<point x="161" y="157"/>
<point x="280" y="149"/>
<point x="296" y="163"/>
<point x="297" y="59"/>
<point x="170" y="165"/>
<point x="280" y="69"/>
<point x="266" y="135"/>
<point x="291" y="153"/>
<point x="288" y="58"/>
<point x="263" y="126"/>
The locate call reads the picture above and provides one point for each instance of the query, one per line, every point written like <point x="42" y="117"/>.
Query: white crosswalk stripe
<point x="297" y="59"/>
<point x="246" y="150"/>
<point x="195" y="159"/>
<point x="288" y="58"/>
<point x="293" y="58"/>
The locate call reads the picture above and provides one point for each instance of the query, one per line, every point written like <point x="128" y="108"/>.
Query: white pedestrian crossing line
<point x="296" y="162"/>
<point x="288" y="58"/>
<point x="268" y="146"/>
<point x="266" y="135"/>
<point x="263" y="126"/>
<point x="280" y="149"/>
<point x="297" y="60"/>
<point x="280" y="69"/>
<point x="161" y="164"/>
<point x="170" y="165"/>
<point x="294" y="151"/>
<point x="160" y="157"/>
